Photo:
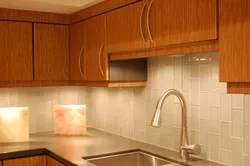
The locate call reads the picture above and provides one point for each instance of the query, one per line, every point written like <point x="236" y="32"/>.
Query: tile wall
<point x="41" y="101"/>
<point x="218" y="121"/>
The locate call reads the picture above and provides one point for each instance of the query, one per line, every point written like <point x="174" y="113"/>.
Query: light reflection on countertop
<point x="95" y="142"/>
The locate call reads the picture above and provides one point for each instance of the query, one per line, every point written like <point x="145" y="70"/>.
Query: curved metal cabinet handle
<point x="142" y="35"/>
<point x="79" y="62"/>
<point x="148" y="26"/>
<point x="100" y="54"/>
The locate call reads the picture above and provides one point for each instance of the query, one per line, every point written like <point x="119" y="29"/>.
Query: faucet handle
<point x="192" y="149"/>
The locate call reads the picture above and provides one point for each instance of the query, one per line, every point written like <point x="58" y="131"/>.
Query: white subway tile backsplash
<point x="195" y="70"/>
<point x="237" y="123"/>
<point x="238" y="101"/>
<point x="247" y="110"/>
<point x="225" y="136"/>
<point x="237" y="150"/>
<point x="204" y="152"/>
<point x="204" y="77"/>
<point x="225" y="157"/>
<point x="247" y="140"/>
<point x="246" y="160"/>
<point x="204" y="106"/>
<point x="195" y="139"/>
<point x="195" y="98"/>
<point x="185" y="78"/>
<point x="214" y="118"/>
<point x="204" y="134"/>
<point x="225" y="104"/>
<point x="214" y="147"/>
<point x="195" y="117"/>
<point x="167" y="142"/>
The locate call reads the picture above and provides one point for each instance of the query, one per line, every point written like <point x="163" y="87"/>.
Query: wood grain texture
<point x="196" y="47"/>
<point x="53" y="162"/>
<point x="28" y="161"/>
<point x="238" y="88"/>
<point x="51" y="52"/>
<point x="12" y="84"/>
<point x="95" y="37"/>
<point x="77" y="48"/>
<point x="234" y="40"/>
<point x="97" y="9"/>
<point x="16" y="59"/>
<point x="115" y="84"/>
<point x="183" y="21"/>
<point x="33" y="16"/>
<point x="123" y="28"/>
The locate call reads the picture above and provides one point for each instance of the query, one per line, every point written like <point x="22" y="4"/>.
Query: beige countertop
<point x="73" y="148"/>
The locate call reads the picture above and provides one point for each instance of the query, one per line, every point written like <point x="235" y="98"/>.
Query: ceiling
<point x="55" y="6"/>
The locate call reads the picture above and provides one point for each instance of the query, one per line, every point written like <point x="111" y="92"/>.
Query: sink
<point x="136" y="158"/>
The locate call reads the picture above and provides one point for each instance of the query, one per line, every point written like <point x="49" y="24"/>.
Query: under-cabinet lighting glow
<point x="70" y="119"/>
<point x="14" y="124"/>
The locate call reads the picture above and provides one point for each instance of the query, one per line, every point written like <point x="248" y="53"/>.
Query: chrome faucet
<point x="185" y="148"/>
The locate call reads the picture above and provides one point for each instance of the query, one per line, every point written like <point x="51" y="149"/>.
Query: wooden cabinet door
<point x="28" y="161"/>
<point x="53" y="162"/>
<point x="95" y="48"/>
<point x="126" y="28"/>
<point x="77" y="63"/>
<point x="234" y="40"/>
<point x="182" y="21"/>
<point x="51" y="52"/>
<point x="16" y="59"/>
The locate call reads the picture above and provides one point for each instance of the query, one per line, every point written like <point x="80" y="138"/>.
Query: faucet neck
<point x="184" y="134"/>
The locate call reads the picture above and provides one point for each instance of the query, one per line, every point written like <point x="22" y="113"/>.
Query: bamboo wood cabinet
<point x="125" y="28"/>
<point x="234" y="53"/>
<point x="181" y="21"/>
<point x="95" y="48"/>
<point x="44" y="49"/>
<point x="16" y="59"/>
<point x="27" y="161"/>
<point x="158" y="23"/>
<point x="32" y="161"/>
<point x="51" y="52"/>
<point x="77" y="56"/>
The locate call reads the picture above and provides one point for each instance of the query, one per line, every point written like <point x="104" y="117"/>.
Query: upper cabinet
<point x="77" y="57"/>
<point x="234" y="40"/>
<point x="16" y="59"/>
<point x="181" y="21"/>
<point x="160" y="23"/>
<point x="95" y="49"/>
<point x="51" y="52"/>
<point x="126" y="28"/>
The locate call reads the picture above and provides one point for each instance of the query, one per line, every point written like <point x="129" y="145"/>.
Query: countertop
<point x="70" y="149"/>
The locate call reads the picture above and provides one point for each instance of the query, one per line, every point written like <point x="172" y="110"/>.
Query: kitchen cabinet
<point x="77" y="57"/>
<point x="51" y="52"/>
<point x="181" y="21"/>
<point x="27" y="161"/>
<point x="53" y="162"/>
<point x="234" y="40"/>
<point x="126" y="28"/>
<point x="16" y="59"/>
<point x="95" y="48"/>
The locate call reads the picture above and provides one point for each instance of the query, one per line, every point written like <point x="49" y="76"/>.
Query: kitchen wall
<point x="219" y="122"/>
<point x="41" y="101"/>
